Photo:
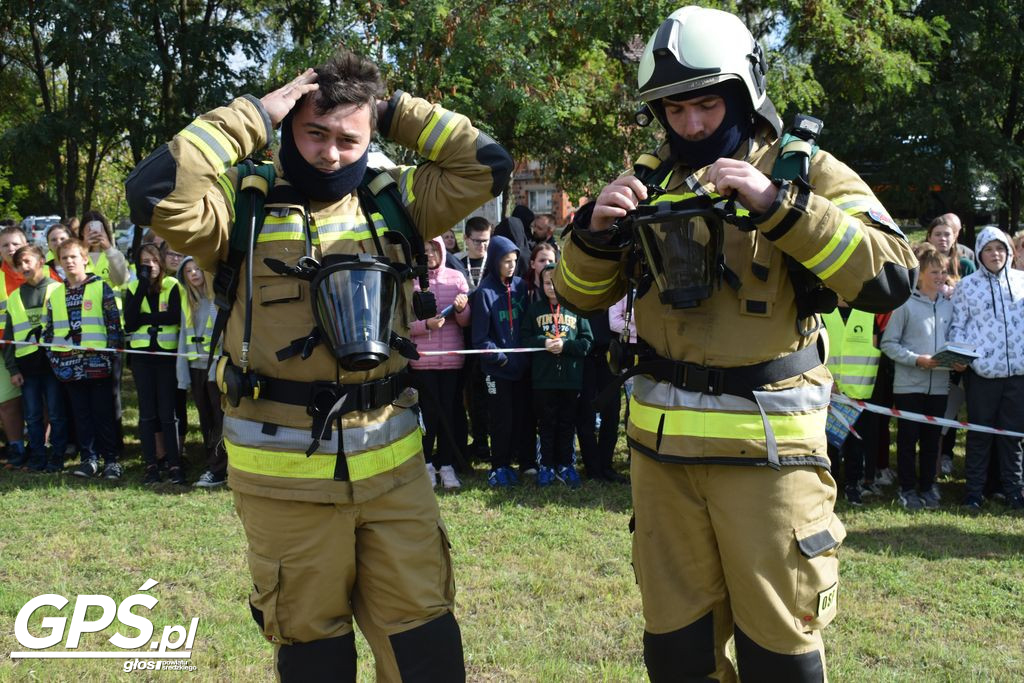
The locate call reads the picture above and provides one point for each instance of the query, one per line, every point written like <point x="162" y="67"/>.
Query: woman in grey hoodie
<point x="988" y="314"/>
<point x="916" y="330"/>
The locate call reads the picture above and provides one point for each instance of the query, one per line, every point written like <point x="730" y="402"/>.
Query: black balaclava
<point x="315" y="184"/>
<point x="737" y="126"/>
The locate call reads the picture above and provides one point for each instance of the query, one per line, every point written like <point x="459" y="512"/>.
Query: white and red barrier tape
<point x="924" y="419"/>
<point x="881" y="410"/>
<point x="461" y="352"/>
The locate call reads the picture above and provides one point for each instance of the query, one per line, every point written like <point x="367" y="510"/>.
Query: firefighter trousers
<point x="386" y="562"/>
<point x="739" y="552"/>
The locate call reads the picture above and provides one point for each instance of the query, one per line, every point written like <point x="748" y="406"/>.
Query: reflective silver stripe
<point x="336" y="230"/>
<point x="212" y="142"/>
<point x="93" y="337"/>
<point x="795" y="399"/>
<point x="859" y="360"/>
<point x="856" y="379"/>
<point x="666" y="394"/>
<point x="435" y="134"/>
<point x="850" y="232"/>
<point x="357" y="439"/>
<point x="405" y="185"/>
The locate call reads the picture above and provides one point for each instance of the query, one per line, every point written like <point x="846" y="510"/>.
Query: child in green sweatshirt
<point x="557" y="379"/>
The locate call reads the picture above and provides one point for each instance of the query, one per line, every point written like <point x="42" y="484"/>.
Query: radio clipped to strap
<point x="798" y="145"/>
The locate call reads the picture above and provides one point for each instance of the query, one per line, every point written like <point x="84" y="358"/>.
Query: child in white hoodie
<point x="916" y="330"/>
<point x="988" y="314"/>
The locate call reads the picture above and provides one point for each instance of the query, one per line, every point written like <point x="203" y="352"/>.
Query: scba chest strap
<point x="377" y="193"/>
<point x="739" y="381"/>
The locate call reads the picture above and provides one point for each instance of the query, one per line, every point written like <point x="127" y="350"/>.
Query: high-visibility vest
<point x="198" y="345"/>
<point x="24" y="321"/>
<point x="852" y="354"/>
<point x="94" y="329"/>
<point x="166" y="335"/>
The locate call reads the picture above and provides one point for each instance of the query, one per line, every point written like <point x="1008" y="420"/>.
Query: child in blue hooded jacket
<point x="498" y="306"/>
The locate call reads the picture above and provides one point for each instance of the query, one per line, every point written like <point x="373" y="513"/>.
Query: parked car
<point x="35" y="228"/>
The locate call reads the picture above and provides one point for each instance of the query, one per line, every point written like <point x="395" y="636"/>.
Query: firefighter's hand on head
<point x="754" y="190"/>
<point x="616" y="199"/>
<point x="282" y="100"/>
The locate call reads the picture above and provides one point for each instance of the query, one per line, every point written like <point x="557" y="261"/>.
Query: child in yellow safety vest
<point x="153" y="316"/>
<point x="853" y="358"/>
<point x="29" y="368"/>
<point x="81" y="318"/>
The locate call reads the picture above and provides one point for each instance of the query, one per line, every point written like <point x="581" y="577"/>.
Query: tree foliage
<point x="94" y="83"/>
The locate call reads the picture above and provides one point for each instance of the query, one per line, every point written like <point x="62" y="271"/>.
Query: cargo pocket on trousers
<point x="817" y="580"/>
<point x="446" y="562"/>
<point x="266" y="578"/>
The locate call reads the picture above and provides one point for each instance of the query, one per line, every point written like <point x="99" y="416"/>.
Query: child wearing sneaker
<point x="916" y="330"/>
<point x="557" y="378"/>
<point x="29" y="368"/>
<point x="82" y="313"/>
<point x="437" y="377"/>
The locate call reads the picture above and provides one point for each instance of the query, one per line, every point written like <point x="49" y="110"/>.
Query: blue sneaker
<point x="569" y="475"/>
<point x="502" y="477"/>
<point x="545" y="476"/>
<point x="973" y="503"/>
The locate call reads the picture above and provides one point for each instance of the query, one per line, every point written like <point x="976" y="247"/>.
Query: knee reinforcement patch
<point x="330" y="659"/>
<point x="431" y="652"/>
<point x="757" y="665"/>
<point x="687" y="654"/>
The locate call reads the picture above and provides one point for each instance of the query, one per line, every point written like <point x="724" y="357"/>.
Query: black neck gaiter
<point x="315" y="184"/>
<point x="737" y="126"/>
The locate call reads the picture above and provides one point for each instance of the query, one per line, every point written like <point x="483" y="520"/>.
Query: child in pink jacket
<point x="438" y="376"/>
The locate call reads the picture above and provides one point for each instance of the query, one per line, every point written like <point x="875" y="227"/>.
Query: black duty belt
<point x="322" y="395"/>
<point x="739" y="381"/>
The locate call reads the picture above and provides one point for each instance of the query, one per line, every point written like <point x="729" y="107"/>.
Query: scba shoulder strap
<point x="378" y="193"/>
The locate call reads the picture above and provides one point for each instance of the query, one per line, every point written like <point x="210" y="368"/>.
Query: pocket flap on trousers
<point x="820" y="537"/>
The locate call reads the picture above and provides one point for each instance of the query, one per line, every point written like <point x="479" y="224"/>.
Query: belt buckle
<point x="321" y="398"/>
<point x="703" y="379"/>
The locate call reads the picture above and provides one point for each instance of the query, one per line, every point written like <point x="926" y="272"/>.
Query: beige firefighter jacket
<point x="842" y="234"/>
<point x="185" y="191"/>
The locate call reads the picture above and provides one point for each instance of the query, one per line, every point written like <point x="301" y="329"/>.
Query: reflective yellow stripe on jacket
<point x="320" y="465"/>
<point x="779" y="424"/>
<point x="852" y="355"/>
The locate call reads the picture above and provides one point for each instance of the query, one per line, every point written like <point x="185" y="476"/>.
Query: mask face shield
<point x="353" y="300"/>
<point x="683" y="249"/>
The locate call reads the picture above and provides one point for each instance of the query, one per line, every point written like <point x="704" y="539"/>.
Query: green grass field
<point x="546" y="591"/>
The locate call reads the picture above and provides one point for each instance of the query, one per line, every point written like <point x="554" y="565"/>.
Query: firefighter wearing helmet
<point x="734" y="530"/>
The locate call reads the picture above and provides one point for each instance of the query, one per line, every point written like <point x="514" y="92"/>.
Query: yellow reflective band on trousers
<point x="321" y="466"/>
<point x="585" y="286"/>
<point x="718" y="425"/>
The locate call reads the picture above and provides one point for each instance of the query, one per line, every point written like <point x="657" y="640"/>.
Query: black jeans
<point x="439" y="399"/>
<point x="92" y="407"/>
<point x="512" y="434"/>
<point x="910" y="434"/>
<point x="211" y="420"/>
<point x="997" y="402"/>
<point x="156" y="385"/>
<point x="556" y="416"/>
<point x="597" y="449"/>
